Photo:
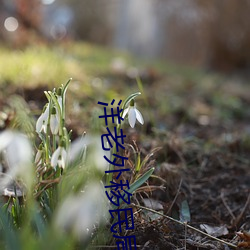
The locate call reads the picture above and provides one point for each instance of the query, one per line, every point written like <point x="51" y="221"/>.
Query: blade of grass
<point x="12" y="241"/>
<point x="141" y="180"/>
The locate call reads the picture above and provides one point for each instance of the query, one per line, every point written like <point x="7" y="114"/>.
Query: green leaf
<point x="138" y="162"/>
<point x="39" y="222"/>
<point x="53" y="97"/>
<point x="140" y="180"/>
<point x="11" y="237"/>
<point x="65" y="87"/>
<point x="139" y="84"/>
<point x="185" y="212"/>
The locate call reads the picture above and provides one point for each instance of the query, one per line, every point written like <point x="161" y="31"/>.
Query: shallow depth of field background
<point x="193" y="60"/>
<point x="212" y="34"/>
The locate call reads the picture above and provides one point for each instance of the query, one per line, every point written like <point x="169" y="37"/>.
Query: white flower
<point x="59" y="157"/>
<point x="79" y="214"/>
<point x="17" y="152"/>
<point x="94" y="157"/>
<point x="39" y="155"/>
<point x="59" y="99"/>
<point x="133" y="114"/>
<point x="42" y="122"/>
<point x="54" y="121"/>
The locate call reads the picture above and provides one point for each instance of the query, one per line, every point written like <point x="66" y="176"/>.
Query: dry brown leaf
<point x="245" y="236"/>
<point x="214" y="230"/>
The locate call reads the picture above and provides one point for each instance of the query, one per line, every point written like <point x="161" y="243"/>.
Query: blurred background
<point x="212" y="34"/>
<point x="186" y="52"/>
<point x="190" y="59"/>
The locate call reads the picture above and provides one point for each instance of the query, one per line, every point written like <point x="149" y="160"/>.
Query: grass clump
<point x="55" y="187"/>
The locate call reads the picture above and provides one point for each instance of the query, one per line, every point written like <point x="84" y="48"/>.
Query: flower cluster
<point x="80" y="212"/>
<point x="52" y="151"/>
<point x="51" y="115"/>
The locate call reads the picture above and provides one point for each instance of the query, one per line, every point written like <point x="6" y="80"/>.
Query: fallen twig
<point x="185" y="225"/>
<point x="173" y="202"/>
<point x="239" y="217"/>
<point x="226" y="205"/>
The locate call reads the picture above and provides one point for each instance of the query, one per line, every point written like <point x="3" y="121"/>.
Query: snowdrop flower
<point x="95" y="154"/>
<point x="133" y="114"/>
<point x="59" y="157"/>
<point x="17" y="152"/>
<point x="54" y="121"/>
<point x="42" y="122"/>
<point x="39" y="154"/>
<point x="77" y="150"/>
<point x="79" y="214"/>
<point x="59" y="97"/>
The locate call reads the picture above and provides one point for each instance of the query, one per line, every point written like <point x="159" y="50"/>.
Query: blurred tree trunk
<point x="214" y="33"/>
<point x="92" y="20"/>
<point x="229" y="34"/>
<point x="28" y="13"/>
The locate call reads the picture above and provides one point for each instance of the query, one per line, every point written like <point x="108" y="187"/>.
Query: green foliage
<point x="46" y="65"/>
<point x="141" y="180"/>
<point x="61" y="207"/>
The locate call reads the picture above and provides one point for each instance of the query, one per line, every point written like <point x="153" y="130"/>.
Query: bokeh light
<point x="48" y="2"/>
<point x="58" y="31"/>
<point x="11" y="24"/>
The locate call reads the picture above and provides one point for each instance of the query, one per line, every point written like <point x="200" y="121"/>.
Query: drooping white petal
<point x="46" y="113"/>
<point x="54" y="124"/>
<point x="64" y="154"/>
<point x="79" y="214"/>
<point x="63" y="159"/>
<point x="59" y="99"/>
<point x="77" y="148"/>
<point x="59" y="157"/>
<point x="61" y="163"/>
<point x="132" y="117"/>
<point x="125" y="112"/>
<point x="5" y="139"/>
<point x="18" y="156"/>
<point x="139" y="116"/>
<point x="95" y="152"/>
<point x="55" y="156"/>
<point x="19" y="151"/>
<point x="44" y="127"/>
<point x="38" y="156"/>
<point x="39" y="123"/>
<point x="98" y="154"/>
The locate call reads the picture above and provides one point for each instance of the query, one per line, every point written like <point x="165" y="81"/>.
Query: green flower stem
<point x="53" y="142"/>
<point x="53" y="97"/>
<point x="65" y="87"/>
<point x="66" y="138"/>
<point x="48" y="148"/>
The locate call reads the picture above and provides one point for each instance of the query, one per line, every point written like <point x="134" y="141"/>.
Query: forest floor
<point x="197" y="124"/>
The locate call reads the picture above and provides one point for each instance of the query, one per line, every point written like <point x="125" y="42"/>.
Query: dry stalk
<point x="185" y="225"/>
